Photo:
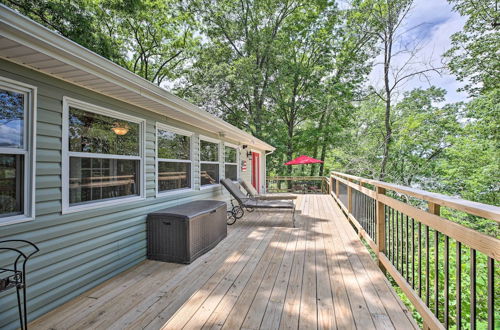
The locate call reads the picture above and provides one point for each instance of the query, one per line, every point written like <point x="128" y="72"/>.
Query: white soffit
<point x="30" y="44"/>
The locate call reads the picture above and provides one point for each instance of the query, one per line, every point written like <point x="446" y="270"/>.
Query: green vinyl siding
<point x="81" y="250"/>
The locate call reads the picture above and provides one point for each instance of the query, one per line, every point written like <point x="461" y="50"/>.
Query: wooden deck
<point x="265" y="275"/>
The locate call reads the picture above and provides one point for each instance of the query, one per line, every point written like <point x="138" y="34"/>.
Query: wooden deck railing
<point x="415" y="244"/>
<point x="298" y="184"/>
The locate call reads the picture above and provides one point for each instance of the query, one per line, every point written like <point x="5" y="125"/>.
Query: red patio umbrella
<point x="303" y="160"/>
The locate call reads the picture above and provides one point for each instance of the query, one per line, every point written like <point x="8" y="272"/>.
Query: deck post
<point x="337" y="188"/>
<point x="349" y="198"/>
<point x="380" y="220"/>
<point x="434" y="208"/>
<point x="330" y="189"/>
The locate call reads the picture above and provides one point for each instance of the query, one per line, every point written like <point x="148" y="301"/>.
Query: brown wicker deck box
<point x="184" y="232"/>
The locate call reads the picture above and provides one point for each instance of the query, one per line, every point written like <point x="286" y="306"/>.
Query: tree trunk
<point x="324" y="146"/>
<point x="387" y="67"/>
<point x="319" y="141"/>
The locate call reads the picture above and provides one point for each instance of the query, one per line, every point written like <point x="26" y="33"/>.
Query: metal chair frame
<point x="16" y="277"/>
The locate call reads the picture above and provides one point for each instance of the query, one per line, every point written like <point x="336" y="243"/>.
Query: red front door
<point x="256" y="171"/>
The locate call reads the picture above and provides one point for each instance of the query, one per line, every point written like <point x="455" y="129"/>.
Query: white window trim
<point x="190" y="161"/>
<point x="238" y="151"/>
<point x="218" y="143"/>
<point x="66" y="208"/>
<point x="28" y="150"/>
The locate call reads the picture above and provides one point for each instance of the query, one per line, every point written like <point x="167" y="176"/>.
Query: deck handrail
<point x="478" y="209"/>
<point x="323" y="183"/>
<point x="396" y="231"/>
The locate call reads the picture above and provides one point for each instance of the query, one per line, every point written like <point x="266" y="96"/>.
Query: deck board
<point x="265" y="274"/>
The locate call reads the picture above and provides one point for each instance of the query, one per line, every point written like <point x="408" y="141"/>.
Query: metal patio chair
<point x="248" y="203"/>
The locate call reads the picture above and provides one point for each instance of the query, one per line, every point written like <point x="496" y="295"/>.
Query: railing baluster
<point x="375" y="229"/>
<point x="392" y="234"/>
<point x="386" y="231"/>
<point x="381" y="224"/>
<point x="458" y="286"/>
<point x="491" y="293"/>
<point x="365" y="213"/>
<point x="392" y="218"/>
<point x="397" y="241"/>
<point x="436" y="209"/>
<point x="413" y="253"/>
<point x="369" y="216"/>
<point x="446" y="281"/>
<point x="472" y="289"/>
<point x="407" y="250"/>
<point x="427" y="262"/>
<point x="436" y="270"/>
<point x="420" y="259"/>
<point x="401" y="243"/>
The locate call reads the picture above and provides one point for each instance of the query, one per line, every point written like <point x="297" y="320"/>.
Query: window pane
<point x="94" y="179"/>
<point x="11" y="119"/>
<point x="230" y="156"/>
<point x="232" y="172"/>
<point x="90" y="132"/>
<point x="173" y="146"/>
<point x="209" y="174"/>
<point x="173" y="176"/>
<point x="209" y="152"/>
<point x="11" y="185"/>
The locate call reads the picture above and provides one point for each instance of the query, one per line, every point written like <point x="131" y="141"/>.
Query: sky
<point x="430" y="24"/>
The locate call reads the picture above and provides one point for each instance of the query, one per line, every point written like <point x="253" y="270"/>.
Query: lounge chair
<point x="255" y="195"/>
<point x="245" y="202"/>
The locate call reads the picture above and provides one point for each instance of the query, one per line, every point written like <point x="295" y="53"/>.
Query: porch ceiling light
<point x="120" y="129"/>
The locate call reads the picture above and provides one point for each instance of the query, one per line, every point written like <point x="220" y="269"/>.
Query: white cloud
<point x="430" y="24"/>
<point x="10" y="134"/>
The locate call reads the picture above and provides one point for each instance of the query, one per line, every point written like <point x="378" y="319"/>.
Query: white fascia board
<point x="34" y="35"/>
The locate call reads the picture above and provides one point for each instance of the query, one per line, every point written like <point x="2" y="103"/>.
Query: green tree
<point x="78" y="20"/>
<point x="423" y="131"/>
<point x="157" y="37"/>
<point x="152" y="38"/>
<point x="474" y="55"/>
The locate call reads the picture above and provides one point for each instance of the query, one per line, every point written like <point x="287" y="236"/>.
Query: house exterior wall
<point x="80" y="250"/>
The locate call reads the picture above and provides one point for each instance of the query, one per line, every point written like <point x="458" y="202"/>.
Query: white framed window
<point x="209" y="161"/>
<point x="103" y="156"/>
<point x="174" y="155"/>
<point x="231" y="160"/>
<point x="17" y="151"/>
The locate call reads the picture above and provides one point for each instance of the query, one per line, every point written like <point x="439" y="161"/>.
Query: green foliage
<point x="78" y="20"/>
<point x="473" y="57"/>
<point x="293" y="74"/>
<point x="285" y="71"/>
<point x="152" y="38"/>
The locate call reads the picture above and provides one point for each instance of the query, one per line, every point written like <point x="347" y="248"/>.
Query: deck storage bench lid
<point x="184" y="232"/>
